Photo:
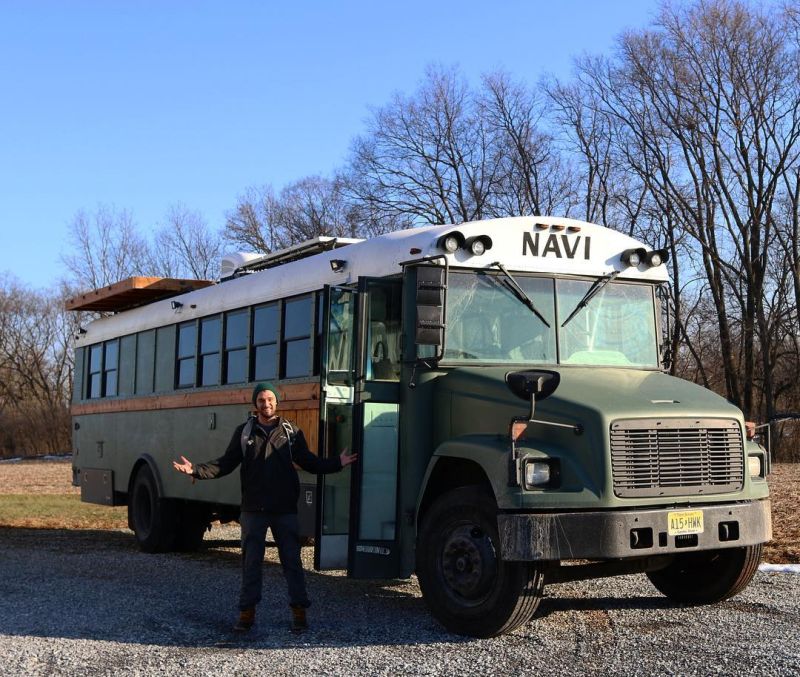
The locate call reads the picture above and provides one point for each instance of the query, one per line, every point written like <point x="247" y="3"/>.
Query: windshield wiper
<point x="595" y="289"/>
<point x="519" y="292"/>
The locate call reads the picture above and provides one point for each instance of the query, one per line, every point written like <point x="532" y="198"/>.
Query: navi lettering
<point x="557" y="246"/>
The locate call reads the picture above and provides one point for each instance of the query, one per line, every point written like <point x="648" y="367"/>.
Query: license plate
<point x="685" y="522"/>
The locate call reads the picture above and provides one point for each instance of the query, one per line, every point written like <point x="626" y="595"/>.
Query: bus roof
<point x="541" y="244"/>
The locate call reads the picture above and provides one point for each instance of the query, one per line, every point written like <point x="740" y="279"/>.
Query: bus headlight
<point x="540" y="474"/>
<point x="755" y="466"/>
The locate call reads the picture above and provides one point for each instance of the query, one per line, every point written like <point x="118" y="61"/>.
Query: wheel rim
<point x="468" y="562"/>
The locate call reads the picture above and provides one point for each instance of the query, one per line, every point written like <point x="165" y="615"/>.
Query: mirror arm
<point x="577" y="428"/>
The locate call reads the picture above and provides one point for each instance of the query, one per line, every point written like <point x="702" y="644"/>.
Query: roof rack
<point x="296" y="252"/>
<point x="132" y="292"/>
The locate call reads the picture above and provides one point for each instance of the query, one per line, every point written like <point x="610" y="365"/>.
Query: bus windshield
<point x="487" y="322"/>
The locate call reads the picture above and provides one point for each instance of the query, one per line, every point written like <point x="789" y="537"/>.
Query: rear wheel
<point x="193" y="522"/>
<point x="151" y="517"/>
<point x="465" y="583"/>
<point x="707" y="576"/>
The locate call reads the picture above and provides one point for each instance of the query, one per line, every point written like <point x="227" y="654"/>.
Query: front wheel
<point x="467" y="586"/>
<point x="707" y="576"/>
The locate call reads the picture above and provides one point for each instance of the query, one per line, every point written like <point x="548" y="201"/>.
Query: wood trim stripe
<point x="298" y="396"/>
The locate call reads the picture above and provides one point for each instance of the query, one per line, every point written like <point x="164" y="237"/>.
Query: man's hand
<point x="185" y="466"/>
<point x="346" y="458"/>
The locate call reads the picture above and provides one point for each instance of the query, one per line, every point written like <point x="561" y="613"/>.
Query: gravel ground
<point x="89" y="603"/>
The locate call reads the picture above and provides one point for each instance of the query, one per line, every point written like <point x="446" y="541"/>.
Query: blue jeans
<point x="254" y="534"/>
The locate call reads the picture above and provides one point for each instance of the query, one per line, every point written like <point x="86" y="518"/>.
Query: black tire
<point x="193" y="523"/>
<point x="467" y="586"/>
<point x="151" y="517"/>
<point x="707" y="576"/>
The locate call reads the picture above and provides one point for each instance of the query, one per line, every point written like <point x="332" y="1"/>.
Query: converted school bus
<point x="500" y="380"/>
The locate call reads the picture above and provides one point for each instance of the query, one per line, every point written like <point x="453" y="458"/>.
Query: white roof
<point x="526" y="243"/>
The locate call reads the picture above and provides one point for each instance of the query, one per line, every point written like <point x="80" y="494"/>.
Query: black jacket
<point x="269" y="479"/>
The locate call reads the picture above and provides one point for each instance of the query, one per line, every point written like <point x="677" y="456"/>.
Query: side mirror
<point x="430" y="306"/>
<point x="533" y="384"/>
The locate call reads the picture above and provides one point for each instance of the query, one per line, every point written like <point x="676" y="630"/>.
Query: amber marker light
<point x="518" y="428"/>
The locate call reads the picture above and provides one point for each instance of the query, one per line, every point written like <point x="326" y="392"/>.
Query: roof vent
<point x="232" y="262"/>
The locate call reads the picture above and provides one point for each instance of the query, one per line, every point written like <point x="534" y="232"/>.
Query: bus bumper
<point x="631" y="533"/>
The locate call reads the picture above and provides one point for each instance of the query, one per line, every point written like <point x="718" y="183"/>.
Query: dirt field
<point x="54" y="478"/>
<point x="37" y="477"/>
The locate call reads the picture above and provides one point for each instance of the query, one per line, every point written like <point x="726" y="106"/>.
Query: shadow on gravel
<point x="558" y="603"/>
<point x="87" y="584"/>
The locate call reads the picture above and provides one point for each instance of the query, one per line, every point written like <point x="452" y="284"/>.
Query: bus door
<point x="360" y="385"/>
<point x="374" y="546"/>
<point x="337" y="381"/>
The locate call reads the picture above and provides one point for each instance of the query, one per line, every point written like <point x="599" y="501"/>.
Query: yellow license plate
<point x="685" y="522"/>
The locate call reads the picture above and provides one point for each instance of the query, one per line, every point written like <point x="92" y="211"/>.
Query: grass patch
<point x="58" y="511"/>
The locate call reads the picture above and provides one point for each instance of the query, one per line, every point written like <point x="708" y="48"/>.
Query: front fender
<point x="491" y="453"/>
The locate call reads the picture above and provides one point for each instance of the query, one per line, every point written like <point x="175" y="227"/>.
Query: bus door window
<point x="336" y="497"/>
<point x="377" y="515"/>
<point x="340" y="338"/>
<point x="383" y="334"/>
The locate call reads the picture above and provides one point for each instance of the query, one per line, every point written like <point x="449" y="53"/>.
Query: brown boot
<point x="299" y="623"/>
<point x="246" y="619"/>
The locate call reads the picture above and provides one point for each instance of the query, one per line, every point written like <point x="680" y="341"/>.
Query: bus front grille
<point x="672" y="457"/>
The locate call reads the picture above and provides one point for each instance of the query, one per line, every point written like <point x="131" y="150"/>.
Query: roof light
<point x="633" y="257"/>
<point x="450" y="242"/>
<point x="478" y="245"/>
<point x="656" y="257"/>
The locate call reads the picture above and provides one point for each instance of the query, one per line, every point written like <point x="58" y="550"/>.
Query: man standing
<point x="267" y="446"/>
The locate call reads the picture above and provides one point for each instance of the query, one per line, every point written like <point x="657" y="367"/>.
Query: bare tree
<point x="304" y="209"/>
<point x="589" y="133"/>
<point x="252" y="223"/>
<point x="427" y="157"/>
<point x="105" y="248"/>
<point x="314" y="206"/>
<point x="532" y="176"/>
<point x="35" y="370"/>
<point x="185" y="247"/>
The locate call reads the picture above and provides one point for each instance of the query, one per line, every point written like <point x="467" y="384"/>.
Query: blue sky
<point x="142" y="104"/>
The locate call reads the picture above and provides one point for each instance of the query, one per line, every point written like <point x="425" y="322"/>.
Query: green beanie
<point x="260" y="387"/>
